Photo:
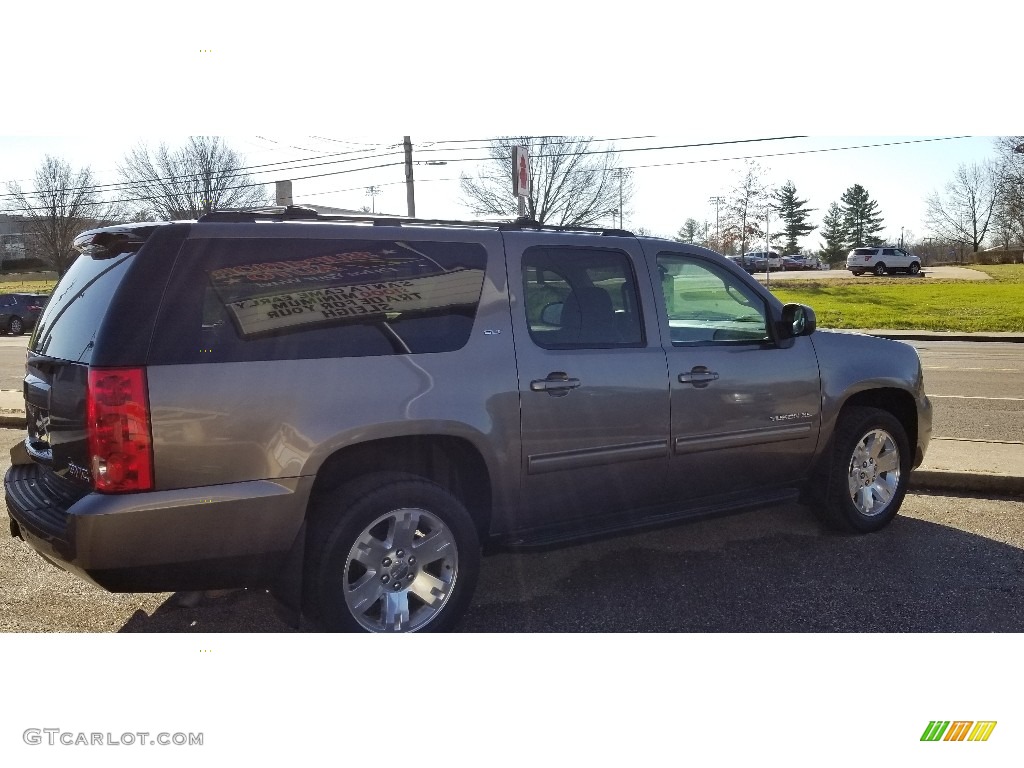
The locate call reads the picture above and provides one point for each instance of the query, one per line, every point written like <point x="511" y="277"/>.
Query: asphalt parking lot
<point x="946" y="564"/>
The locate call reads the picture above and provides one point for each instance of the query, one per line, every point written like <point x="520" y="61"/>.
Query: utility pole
<point x="717" y="201"/>
<point x="410" y="194"/>
<point x="371" y="192"/>
<point x="620" y="174"/>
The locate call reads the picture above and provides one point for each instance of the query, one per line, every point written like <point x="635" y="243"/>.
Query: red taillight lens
<point x="118" y="424"/>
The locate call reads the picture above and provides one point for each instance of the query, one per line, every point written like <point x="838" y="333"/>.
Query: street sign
<point x="520" y="172"/>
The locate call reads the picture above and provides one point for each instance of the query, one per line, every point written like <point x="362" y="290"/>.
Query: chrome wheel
<point x="400" y="571"/>
<point x="874" y="473"/>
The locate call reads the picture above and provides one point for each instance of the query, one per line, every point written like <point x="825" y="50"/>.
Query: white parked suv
<point x="882" y="261"/>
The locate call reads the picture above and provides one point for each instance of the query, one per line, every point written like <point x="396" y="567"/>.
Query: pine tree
<point x="833" y="229"/>
<point x="794" y="214"/>
<point x="861" y="217"/>
<point x="689" y="232"/>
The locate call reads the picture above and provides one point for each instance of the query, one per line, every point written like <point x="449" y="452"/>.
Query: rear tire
<point x="868" y="471"/>
<point x="880" y="269"/>
<point x="390" y="552"/>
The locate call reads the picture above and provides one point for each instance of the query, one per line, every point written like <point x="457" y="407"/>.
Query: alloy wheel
<point x="874" y="473"/>
<point x="400" y="571"/>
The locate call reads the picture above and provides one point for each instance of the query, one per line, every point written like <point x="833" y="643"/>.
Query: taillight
<point x="118" y="424"/>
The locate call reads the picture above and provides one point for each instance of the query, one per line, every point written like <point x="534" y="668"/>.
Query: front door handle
<point x="699" y="376"/>
<point x="556" y="384"/>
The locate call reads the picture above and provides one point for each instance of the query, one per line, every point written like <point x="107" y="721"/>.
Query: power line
<point x="123" y="186"/>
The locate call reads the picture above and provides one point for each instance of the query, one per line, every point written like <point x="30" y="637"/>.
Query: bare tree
<point x="186" y="183"/>
<point x="745" y="208"/>
<point x="965" y="213"/>
<point x="1010" y="187"/>
<point x="572" y="183"/>
<point x="63" y="204"/>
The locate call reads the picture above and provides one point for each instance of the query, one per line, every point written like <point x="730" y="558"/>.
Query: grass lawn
<point x="28" y="282"/>
<point x="916" y="304"/>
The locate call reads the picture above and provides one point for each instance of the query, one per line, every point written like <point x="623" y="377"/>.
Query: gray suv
<point x="346" y="411"/>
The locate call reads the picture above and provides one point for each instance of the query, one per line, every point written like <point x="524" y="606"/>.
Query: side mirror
<point x="798" y="320"/>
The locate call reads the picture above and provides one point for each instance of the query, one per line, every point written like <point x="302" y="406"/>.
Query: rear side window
<point x="865" y="251"/>
<point x="246" y="299"/>
<point x="579" y="298"/>
<point x="67" y="327"/>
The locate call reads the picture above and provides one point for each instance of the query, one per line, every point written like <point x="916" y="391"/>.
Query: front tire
<point x="869" y="469"/>
<point x="390" y="552"/>
<point x="914" y="268"/>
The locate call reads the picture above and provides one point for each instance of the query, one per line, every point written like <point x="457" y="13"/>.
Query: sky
<point x="88" y="80"/>
<point x="670" y="184"/>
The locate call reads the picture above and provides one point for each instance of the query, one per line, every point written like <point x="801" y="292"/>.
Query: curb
<point x="1002" y="336"/>
<point x="13" y="421"/>
<point x="971" y="482"/>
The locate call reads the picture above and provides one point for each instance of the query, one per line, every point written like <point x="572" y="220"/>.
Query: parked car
<point x="882" y="261"/>
<point x="751" y="262"/>
<point x="345" y="410"/>
<point x="771" y="258"/>
<point x="802" y="263"/>
<point x="20" y="311"/>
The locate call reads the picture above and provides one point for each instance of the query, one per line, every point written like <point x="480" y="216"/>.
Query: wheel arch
<point x="898" y="402"/>
<point x="454" y="463"/>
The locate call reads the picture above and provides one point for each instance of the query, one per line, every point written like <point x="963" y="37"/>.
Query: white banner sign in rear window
<point x="374" y="284"/>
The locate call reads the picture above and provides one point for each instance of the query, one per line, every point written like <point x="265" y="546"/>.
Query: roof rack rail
<point x="277" y="212"/>
<point x="525" y="222"/>
<point x="299" y="213"/>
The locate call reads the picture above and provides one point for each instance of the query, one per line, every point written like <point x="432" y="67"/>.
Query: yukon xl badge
<point x="789" y="416"/>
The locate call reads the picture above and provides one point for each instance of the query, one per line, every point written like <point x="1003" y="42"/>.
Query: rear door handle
<point x="699" y="376"/>
<point x="556" y="384"/>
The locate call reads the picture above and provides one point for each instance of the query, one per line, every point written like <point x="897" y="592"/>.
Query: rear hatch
<point x="89" y="321"/>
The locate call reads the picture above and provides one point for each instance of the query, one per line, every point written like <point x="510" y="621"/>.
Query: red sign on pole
<point x="520" y="172"/>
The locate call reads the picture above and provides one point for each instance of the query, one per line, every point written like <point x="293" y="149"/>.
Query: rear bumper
<point x="215" y="537"/>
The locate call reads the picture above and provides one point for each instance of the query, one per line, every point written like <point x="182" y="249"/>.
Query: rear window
<point x="233" y="300"/>
<point x="67" y="327"/>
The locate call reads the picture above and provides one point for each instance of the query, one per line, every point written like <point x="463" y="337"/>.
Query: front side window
<point x="708" y="305"/>
<point x="579" y="298"/>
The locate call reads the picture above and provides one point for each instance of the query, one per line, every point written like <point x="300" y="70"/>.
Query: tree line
<point x="744" y="219"/>
<point x="981" y="204"/>
<point x="164" y="183"/>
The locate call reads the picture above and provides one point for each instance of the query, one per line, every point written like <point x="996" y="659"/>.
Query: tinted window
<point x="707" y="305"/>
<point x="255" y="299"/>
<point x="67" y="327"/>
<point x="865" y="251"/>
<point x="579" y="298"/>
<point x="888" y="252"/>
